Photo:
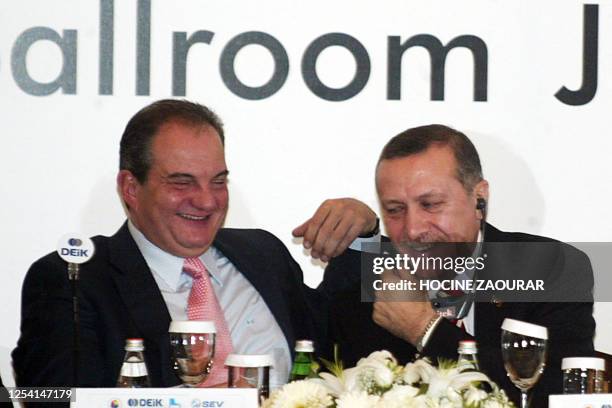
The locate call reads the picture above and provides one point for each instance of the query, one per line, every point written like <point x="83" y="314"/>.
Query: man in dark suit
<point x="173" y="182"/>
<point x="431" y="190"/>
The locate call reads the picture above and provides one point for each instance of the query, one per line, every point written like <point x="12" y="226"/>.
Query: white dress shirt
<point x="252" y="326"/>
<point x="468" y="320"/>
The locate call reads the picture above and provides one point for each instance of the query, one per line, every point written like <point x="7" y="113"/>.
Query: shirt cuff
<point x="370" y="244"/>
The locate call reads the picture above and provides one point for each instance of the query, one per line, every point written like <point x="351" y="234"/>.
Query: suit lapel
<point x="143" y="300"/>
<point x="491" y="310"/>
<point x="136" y="285"/>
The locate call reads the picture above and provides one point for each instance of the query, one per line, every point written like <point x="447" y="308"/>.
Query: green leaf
<point x="335" y="367"/>
<point x="446" y="364"/>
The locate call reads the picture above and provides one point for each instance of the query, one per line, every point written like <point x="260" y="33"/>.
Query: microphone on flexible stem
<point x="75" y="249"/>
<point x="481" y="204"/>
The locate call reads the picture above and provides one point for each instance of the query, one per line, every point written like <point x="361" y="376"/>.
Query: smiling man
<point x="172" y="261"/>
<point x="180" y="202"/>
<point x="433" y="195"/>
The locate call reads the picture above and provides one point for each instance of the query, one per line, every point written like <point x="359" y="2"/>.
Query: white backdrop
<point x="547" y="161"/>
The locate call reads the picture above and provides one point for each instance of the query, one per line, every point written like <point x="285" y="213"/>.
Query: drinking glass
<point x="524" y="353"/>
<point x="583" y="375"/>
<point x="250" y="371"/>
<point x="192" y="344"/>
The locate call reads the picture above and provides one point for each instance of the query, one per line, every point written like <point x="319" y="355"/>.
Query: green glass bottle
<point x="304" y="365"/>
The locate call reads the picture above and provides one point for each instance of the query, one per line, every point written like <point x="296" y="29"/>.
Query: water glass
<point x="583" y="375"/>
<point x="524" y="354"/>
<point x="192" y="344"/>
<point x="250" y="371"/>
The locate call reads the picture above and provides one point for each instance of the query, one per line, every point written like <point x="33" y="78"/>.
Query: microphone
<point x="481" y="204"/>
<point x="75" y="249"/>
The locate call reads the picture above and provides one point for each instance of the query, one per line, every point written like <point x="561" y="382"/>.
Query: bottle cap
<point x="467" y="347"/>
<point x="249" y="360"/>
<point x="192" y="326"/>
<point x="134" y="345"/>
<point x="304" y="346"/>
<point x="583" y="363"/>
<point x="524" y="328"/>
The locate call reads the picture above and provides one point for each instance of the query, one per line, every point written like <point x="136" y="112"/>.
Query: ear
<point x="128" y="186"/>
<point x="481" y="190"/>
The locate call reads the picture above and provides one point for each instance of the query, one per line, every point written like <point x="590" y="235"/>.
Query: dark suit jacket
<point x="119" y="298"/>
<point x="571" y="326"/>
<point x="4" y="397"/>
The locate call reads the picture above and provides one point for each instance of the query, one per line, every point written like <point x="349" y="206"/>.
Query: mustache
<point x="439" y="248"/>
<point x="418" y="246"/>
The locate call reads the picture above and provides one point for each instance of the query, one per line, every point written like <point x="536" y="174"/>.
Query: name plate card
<point x="165" y="397"/>
<point x="580" y="401"/>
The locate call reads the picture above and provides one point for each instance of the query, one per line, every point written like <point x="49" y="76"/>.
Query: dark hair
<point x="419" y="139"/>
<point x="135" y="147"/>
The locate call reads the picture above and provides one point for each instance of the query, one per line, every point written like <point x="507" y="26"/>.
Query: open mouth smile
<point x="193" y="217"/>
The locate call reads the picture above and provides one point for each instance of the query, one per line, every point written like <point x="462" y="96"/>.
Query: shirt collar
<point x="170" y="267"/>
<point x="210" y="259"/>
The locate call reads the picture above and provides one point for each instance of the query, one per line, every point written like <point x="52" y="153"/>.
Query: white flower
<point x="378" y="357"/>
<point x="402" y="391"/>
<point x="425" y="370"/>
<point x="422" y="401"/>
<point x="383" y="376"/>
<point x="350" y="380"/>
<point x="300" y="394"/>
<point x="450" y="404"/>
<point x="496" y="399"/>
<point x="441" y="379"/>
<point x="376" y="370"/>
<point x="474" y="395"/>
<point x="357" y="399"/>
<point x="493" y="404"/>
<point x="399" y="396"/>
<point x="453" y="398"/>
<point x="411" y="373"/>
<point x="378" y="382"/>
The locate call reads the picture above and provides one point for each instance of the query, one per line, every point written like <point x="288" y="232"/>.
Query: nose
<point x="416" y="225"/>
<point x="204" y="199"/>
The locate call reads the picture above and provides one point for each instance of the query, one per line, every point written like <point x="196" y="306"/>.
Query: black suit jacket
<point x="119" y="298"/>
<point x="4" y="395"/>
<point x="571" y="325"/>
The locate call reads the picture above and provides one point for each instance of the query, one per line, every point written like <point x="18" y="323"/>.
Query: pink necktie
<point x="203" y="305"/>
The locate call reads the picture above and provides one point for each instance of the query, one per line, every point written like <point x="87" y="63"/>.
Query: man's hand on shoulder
<point x="335" y="224"/>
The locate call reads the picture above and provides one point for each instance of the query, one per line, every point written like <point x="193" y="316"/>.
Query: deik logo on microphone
<point x="75" y="248"/>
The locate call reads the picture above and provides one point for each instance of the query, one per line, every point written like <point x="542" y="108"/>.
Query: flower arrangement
<point x="379" y="381"/>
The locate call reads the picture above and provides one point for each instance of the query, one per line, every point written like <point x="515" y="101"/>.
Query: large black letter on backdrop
<point x="309" y="67"/>
<point x="66" y="80"/>
<point x="107" y="28"/>
<point x="180" y="46"/>
<point x="228" y="71"/>
<point x="590" y="38"/>
<point x="437" y="53"/>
